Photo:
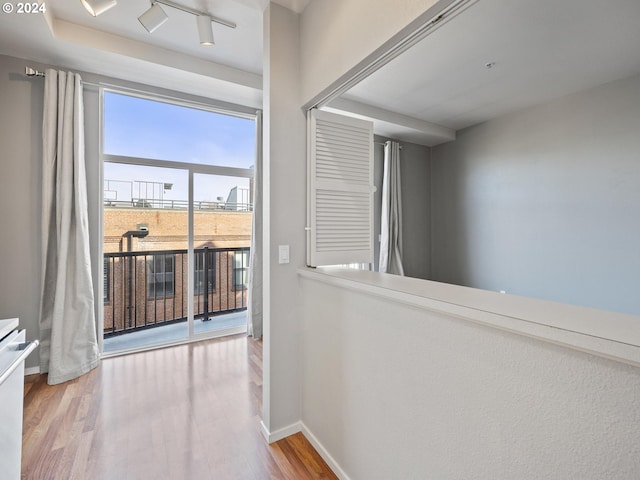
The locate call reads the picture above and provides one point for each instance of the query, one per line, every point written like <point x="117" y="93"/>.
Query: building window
<point x="161" y="279"/>
<point x="240" y="269"/>
<point x="199" y="282"/>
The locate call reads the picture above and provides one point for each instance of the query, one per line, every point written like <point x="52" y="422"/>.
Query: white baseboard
<point x="324" y="453"/>
<point x="31" y="371"/>
<point x="281" y="433"/>
<point x="301" y="427"/>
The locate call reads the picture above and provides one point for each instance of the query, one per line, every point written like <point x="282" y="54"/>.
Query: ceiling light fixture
<point x="205" y="30"/>
<point x="96" y="7"/>
<point x="153" y="18"/>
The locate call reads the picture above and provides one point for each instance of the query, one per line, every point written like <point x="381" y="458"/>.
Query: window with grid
<point x="199" y="278"/>
<point x="106" y="281"/>
<point x="160" y="279"/>
<point x="240" y="269"/>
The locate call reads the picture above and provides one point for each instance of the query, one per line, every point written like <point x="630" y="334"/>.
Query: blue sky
<point x="144" y="128"/>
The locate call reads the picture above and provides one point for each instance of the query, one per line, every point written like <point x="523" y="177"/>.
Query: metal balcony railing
<point x="179" y="205"/>
<point x="148" y="289"/>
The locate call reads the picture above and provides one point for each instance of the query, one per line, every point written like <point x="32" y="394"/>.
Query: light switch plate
<point x="283" y="254"/>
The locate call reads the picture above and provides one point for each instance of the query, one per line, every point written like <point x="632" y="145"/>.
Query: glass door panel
<point x="145" y="256"/>
<point x="221" y="240"/>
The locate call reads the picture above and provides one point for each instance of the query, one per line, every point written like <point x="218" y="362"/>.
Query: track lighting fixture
<point x="205" y="30"/>
<point x="155" y="16"/>
<point x="96" y="7"/>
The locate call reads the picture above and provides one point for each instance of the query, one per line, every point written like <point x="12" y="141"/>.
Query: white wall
<point x="302" y="57"/>
<point x="544" y="202"/>
<point x="392" y="391"/>
<point x="22" y="102"/>
<point x="338" y="34"/>
<point x="284" y="216"/>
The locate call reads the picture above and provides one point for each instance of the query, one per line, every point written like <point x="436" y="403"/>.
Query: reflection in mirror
<point x="527" y="174"/>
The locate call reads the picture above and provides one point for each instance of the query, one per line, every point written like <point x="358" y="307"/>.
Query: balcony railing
<point x="179" y="205"/>
<point x="149" y="289"/>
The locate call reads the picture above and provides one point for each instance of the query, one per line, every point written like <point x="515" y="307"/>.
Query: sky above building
<point x="137" y="127"/>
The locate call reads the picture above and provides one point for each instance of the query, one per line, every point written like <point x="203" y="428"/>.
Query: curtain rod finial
<point x="30" y="72"/>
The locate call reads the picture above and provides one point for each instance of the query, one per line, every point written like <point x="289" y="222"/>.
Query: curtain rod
<point x="32" y="72"/>
<point x="383" y="144"/>
<point x="238" y="111"/>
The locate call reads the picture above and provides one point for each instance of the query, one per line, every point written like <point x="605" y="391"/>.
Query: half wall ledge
<point x="611" y="335"/>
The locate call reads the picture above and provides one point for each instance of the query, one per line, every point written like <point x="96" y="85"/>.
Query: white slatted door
<point x="340" y="190"/>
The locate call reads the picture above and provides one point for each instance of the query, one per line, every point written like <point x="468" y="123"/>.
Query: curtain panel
<point x="69" y="346"/>
<point x="255" y="309"/>
<point x="390" y="260"/>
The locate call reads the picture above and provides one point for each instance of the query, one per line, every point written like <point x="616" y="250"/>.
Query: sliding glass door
<point x="176" y="233"/>
<point x="221" y="236"/>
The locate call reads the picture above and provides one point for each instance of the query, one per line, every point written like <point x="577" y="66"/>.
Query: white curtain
<point x="391" y="220"/>
<point x="254" y="309"/>
<point x="69" y="346"/>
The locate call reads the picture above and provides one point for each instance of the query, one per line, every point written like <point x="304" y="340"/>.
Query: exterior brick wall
<point x="168" y="228"/>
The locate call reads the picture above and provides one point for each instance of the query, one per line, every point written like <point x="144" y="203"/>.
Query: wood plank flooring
<point x="187" y="412"/>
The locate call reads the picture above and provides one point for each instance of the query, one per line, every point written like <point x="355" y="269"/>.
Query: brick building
<point x="145" y="264"/>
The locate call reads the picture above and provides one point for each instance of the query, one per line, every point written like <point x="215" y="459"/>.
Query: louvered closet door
<point x="340" y="190"/>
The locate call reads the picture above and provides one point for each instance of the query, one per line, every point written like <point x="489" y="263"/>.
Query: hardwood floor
<point x="187" y="412"/>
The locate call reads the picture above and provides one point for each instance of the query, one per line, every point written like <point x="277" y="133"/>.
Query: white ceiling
<point x="116" y="45"/>
<point x="239" y="48"/>
<point x="542" y="49"/>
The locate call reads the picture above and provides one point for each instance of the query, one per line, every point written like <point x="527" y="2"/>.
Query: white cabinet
<point x="13" y="352"/>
